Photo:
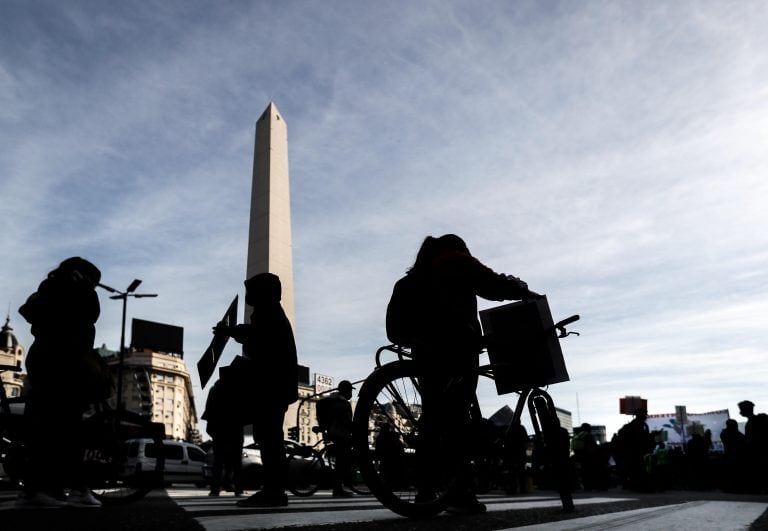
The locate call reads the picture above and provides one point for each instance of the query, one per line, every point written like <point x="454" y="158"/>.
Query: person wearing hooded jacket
<point x="63" y="312"/>
<point x="269" y="345"/>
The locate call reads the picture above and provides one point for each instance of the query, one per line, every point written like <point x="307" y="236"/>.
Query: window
<point x="150" y="450"/>
<point x="195" y="454"/>
<point x="173" y="451"/>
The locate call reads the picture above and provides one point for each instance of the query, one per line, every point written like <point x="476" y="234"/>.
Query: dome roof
<point x="8" y="341"/>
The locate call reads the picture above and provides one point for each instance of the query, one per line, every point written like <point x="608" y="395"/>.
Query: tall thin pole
<point x="129" y="292"/>
<point x="124" y="296"/>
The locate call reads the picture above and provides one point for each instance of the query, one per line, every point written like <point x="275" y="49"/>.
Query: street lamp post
<point x="123" y="295"/>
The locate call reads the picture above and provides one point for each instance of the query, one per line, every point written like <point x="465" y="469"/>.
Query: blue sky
<point x="612" y="154"/>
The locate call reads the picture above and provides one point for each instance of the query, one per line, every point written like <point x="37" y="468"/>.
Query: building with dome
<point x="11" y="353"/>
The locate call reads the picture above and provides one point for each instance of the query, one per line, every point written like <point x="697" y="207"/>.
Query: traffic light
<point x="293" y="433"/>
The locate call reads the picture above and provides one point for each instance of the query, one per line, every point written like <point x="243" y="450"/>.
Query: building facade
<point x="157" y="385"/>
<point x="566" y="419"/>
<point x="11" y="353"/>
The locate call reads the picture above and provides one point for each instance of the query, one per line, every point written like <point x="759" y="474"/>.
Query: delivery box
<point x="523" y="346"/>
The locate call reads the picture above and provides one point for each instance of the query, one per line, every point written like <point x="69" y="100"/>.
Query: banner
<point x="210" y="358"/>
<point x="714" y="421"/>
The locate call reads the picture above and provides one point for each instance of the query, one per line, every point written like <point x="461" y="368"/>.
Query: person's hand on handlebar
<point x="528" y="294"/>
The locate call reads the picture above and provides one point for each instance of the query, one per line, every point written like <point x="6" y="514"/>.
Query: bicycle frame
<point x="526" y="394"/>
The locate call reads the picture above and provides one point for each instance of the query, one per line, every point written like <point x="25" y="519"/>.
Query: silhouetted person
<point x="334" y="414"/>
<point x="390" y="451"/>
<point x="223" y="424"/>
<point x="634" y="444"/>
<point x="63" y="314"/>
<point x="697" y="454"/>
<point x="515" y="458"/>
<point x="734" y="457"/>
<point x="584" y="448"/>
<point x="446" y="348"/>
<point x="756" y="432"/>
<point x="660" y="467"/>
<point x="268" y="342"/>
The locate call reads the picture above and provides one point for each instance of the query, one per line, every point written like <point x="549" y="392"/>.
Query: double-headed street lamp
<point x="129" y="292"/>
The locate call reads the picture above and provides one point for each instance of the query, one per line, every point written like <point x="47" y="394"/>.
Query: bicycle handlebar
<point x="404" y="352"/>
<point x="562" y="324"/>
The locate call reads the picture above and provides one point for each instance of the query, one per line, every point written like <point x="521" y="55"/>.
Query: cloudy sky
<point x="612" y="154"/>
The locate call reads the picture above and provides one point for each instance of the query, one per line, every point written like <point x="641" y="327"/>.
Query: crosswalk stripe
<point x="220" y="513"/>
<point x="700" y="515"/>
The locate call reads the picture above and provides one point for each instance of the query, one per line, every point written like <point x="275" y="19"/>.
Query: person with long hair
<point x="446" y="349"/>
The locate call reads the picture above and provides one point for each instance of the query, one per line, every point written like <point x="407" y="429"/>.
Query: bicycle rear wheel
<point x="355" y="480"/>
<point x="307" y="470"/>
<point x="357" y="483"/>
<point x="390" y="396"/>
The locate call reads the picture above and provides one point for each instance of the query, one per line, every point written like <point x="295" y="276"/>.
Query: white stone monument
<point x="269" y="235"/>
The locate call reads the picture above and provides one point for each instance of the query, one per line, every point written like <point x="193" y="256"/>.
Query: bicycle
<point x="391" y="396"/>
<point x="313" y="466"/>
<point x="104" y="457"/>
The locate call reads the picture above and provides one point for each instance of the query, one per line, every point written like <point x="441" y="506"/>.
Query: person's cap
<point x="746" y="403"/>
<point x="345" y="384"/>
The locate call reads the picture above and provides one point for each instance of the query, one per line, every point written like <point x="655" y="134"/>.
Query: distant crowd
<point x="636" y="458"/>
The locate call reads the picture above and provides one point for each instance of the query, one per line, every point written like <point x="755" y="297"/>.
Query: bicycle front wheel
<point x="556" y="444"/>
<point x="386" y="439"/>
<point x="107" y="457"/>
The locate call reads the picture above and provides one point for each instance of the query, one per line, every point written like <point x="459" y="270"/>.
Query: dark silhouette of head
<point x="731" y="424"/>
<point x="451" y="242"/>
<point x="746" y="408"/>
<point x="78" y="270"/>
<point x="432" y="247"/>
<point x="641" y="414"/>
<point x="345" y="389"/>
<point x="263" y="288"/>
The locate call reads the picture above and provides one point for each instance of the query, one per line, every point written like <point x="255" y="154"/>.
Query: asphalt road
<point x="159" y="511"/>
<point x="155" y="512"/>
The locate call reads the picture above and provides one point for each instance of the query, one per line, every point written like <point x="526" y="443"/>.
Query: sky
<point x="611" y="154"/>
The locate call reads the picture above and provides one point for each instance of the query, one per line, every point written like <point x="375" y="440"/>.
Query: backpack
<point x="324" y="413"/>
<point x="402" y="315"/>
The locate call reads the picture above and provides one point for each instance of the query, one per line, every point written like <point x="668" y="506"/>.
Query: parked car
<point x="183" y="460"/>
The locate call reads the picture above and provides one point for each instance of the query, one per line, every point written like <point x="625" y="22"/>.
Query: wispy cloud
<point x="612" y="154"/>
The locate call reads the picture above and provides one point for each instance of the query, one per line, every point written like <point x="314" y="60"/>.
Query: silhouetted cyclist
<point x="446" y="346"/>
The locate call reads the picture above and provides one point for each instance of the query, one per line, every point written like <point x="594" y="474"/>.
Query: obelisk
<point x="269" y="234"/>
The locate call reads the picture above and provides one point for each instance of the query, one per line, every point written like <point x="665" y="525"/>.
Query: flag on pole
<point x="210" y="358"/>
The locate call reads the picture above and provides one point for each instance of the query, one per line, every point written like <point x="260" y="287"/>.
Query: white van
<point x="183" y="461"/>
